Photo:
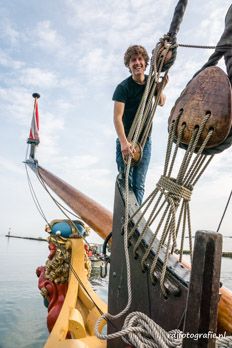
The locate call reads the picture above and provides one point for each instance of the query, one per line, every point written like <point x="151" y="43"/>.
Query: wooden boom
<point x="95" y="215"/>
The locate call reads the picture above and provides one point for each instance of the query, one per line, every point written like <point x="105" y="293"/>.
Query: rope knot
<point x="177" y="191"/>
<point x="144" y="332"/>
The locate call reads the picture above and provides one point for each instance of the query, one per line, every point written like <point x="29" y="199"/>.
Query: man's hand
<point x="162" y="85"/>
<point x="126" y="149"/>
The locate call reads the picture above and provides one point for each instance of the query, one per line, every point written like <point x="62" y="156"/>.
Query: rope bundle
<point x="169" y="194"/>
<point x="142" y="117"/>
<point x="141" y="331"/>
<point x="142" y="123"/>
<point x="177" y="191"/>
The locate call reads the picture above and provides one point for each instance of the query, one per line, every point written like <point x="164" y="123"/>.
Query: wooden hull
<point x="80" y="310"/>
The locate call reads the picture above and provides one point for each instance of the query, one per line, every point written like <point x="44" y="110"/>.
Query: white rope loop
<point x="141" y="331"/>
<point x="224" y="342"/>
<point x="151" y="336"/>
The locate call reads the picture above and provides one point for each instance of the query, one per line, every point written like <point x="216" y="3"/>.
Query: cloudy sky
<point x="71" y="52"/>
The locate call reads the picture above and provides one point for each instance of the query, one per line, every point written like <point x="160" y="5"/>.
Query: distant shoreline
<point x="185" y="252"/>
<point x="224" y="253"/>
<point x="31" y="238"/>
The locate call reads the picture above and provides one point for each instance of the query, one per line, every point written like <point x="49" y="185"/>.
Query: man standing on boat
<point x="127" y="97"/>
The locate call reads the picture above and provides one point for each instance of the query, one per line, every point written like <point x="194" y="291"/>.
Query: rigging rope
<point x="59" y="205"/>
<point x="196" y="46"/>
<point x="143" y="119"/>
<point x="33" y="194"/>
<point x="172" y="191"/>
<point x="134" y="135"/>
<point x="224" y="212"/>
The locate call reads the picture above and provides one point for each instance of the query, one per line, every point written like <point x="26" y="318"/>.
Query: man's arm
<point x="162" y="98"/>
<point x="119" y="127"/>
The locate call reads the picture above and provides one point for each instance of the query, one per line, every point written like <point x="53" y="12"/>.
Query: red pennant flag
<point x="34" y="131"/>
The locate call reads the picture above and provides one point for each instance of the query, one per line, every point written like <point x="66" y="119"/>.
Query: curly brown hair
<point x="135" y="49"/>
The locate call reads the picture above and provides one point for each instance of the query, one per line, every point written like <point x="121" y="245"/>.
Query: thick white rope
<point x="141" y="331"/>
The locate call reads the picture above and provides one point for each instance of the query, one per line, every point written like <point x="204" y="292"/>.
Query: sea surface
<point x="22" y="313"/>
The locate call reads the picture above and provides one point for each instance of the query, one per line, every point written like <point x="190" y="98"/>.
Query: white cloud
<point x="38" y="77"/>
<point x="47" y="37"/>
<point x="8" y="62"/>
<point x="16" y="104"/>
<point x="9" y="166"/>
<point x="51" y="127"/>
<point x="8" y="31"/>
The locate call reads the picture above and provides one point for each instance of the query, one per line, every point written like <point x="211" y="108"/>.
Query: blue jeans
<point x="138" y="172"/>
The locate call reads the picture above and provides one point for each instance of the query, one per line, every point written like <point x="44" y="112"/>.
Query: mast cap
<point x="36" y="95"/>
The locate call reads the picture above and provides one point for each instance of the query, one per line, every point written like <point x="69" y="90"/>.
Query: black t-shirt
<point x="130" y="93"/>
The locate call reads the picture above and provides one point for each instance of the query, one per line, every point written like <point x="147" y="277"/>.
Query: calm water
<point x="22" y="314"/>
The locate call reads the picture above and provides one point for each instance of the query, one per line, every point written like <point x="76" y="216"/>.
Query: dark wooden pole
<point x="200" y="324"/>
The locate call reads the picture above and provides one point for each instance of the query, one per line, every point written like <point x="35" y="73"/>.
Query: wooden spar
<point x="96" y="216"/>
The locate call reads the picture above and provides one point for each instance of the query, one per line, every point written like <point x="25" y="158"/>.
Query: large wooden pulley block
<point x="208" y="93"/>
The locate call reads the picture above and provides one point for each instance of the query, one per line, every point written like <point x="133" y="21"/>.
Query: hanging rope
<point x="224" y="212"/>
<point x="172" y="200"/>
<point x="142" y="123"/>
<point x="223" y="47"/>
<point x="61" y="207"/>
<point x="196" y="46"/>
<point x="133" y="135"/>
<point x="171" y="193"/>
<point x="57" y="203"/>
<point x="143" y="120"/>
<point x="32" y="191"/>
